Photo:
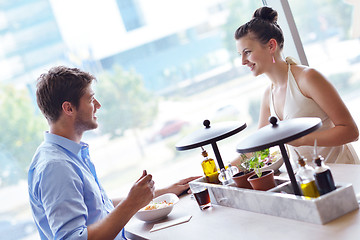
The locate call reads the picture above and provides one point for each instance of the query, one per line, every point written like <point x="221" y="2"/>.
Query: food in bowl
<point x="274" y="161"/>
<point x="153" y="205"/>
<point x="272" y="157"/>
<point x="158" y="208"/>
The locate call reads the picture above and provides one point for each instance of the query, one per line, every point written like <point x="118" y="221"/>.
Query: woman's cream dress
<point x="297" y="105"/>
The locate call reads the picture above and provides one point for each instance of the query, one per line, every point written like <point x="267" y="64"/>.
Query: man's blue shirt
<point x="65" y="194"/>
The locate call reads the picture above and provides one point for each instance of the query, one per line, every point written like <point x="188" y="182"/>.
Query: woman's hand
<point x="177" y="187"/>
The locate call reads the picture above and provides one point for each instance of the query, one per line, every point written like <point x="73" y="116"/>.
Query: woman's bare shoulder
<point x="309" y="80"/>
<point x="305" y="73"/>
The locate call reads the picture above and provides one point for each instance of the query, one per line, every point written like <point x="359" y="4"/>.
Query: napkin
<point x="170" y="223"/>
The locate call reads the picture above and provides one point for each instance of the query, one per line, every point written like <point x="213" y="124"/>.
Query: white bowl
<point x="275" y="165"/>
<point x="160" y="213"/>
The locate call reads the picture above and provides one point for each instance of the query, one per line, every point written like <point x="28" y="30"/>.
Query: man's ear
<point x="67" y="108"/>
<point x="272" y="45"/>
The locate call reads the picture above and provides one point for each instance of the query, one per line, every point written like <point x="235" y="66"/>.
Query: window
<point x="131" y="14"/>
<point x="170" y="77"/>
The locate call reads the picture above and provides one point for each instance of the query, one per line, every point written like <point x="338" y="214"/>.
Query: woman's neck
<point x="278" y="73"/>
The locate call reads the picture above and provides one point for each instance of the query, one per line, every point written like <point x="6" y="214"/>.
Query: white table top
<point x="227" y="223"/>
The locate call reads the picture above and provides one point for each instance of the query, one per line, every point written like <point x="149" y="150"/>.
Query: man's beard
<point x="82" y="125"/>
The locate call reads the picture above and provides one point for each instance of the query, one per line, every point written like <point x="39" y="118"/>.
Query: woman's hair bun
<point x="266" y="14"/>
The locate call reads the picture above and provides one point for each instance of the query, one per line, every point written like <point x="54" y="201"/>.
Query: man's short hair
<point x="58" y="85"/>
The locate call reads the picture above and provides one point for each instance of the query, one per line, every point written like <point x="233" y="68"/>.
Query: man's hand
<point x="142" y="192"/>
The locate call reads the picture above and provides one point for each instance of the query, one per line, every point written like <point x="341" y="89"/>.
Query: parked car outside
<point x="168" y="129"/>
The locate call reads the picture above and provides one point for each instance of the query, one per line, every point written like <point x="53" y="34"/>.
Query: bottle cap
<point x="204" y="153"/>
<point x="301" y="159"/>
<point x="318" y="160"/>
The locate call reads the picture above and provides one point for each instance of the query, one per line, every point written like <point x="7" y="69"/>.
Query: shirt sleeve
<point x="61" y="193"/>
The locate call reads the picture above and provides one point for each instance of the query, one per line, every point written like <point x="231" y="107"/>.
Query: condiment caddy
<point x="282" y="202"/>
<point x="285" y="200"/>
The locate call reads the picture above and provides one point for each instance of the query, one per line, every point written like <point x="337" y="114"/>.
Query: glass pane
<point x="330" y="34"/>
<point x="159" y="76"/>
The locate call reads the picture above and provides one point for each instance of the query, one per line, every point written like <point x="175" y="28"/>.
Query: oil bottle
<point x="323" y="177"/>
<point x="305" y="176"/>
<point x="209" y="167"/>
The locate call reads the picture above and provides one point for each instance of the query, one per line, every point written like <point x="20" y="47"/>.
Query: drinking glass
<point x="202" y="196"/>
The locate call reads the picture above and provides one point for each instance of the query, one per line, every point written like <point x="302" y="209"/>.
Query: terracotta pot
<point x="264" y="183"/>
<point x="241" y="179"/>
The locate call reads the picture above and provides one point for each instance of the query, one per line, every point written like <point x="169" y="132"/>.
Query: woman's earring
<point x="273" y="59"/>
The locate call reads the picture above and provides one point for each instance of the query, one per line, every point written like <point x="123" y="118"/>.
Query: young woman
<point x="296" y="91"/>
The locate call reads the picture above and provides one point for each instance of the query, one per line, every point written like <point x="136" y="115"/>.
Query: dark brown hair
<point x="263" y="27"/>
<point x="58" y="85"/>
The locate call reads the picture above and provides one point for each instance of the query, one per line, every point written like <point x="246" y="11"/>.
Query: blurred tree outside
<point x="22" y="130"/>
<point x="331" y="17"/>
<point x="126" y="103"/>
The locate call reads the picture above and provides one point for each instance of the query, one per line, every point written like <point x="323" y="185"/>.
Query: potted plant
<point x="245" y="171"/>
<point x="261" y="180"/>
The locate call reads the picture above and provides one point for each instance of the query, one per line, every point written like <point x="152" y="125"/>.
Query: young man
<point x="66" y="197"/>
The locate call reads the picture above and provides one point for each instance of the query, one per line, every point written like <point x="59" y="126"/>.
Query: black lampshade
<point x="278" y="132"/>
<point x="210" y="134"/>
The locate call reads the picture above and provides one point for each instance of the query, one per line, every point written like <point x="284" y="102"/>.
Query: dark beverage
<point x="325" y="182"/>
<point x="203" y="199"/>
<point x="323" y="177"/>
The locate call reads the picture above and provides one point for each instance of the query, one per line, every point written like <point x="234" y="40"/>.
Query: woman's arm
<point x="315" y="86"/>
<point x="176" y="188"/>
<point x="264" y="109"/>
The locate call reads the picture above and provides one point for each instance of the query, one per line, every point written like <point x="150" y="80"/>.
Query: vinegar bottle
<point x="323" y="177"/>
<point x="209" y="167"/>
<point x="305" y="175"/>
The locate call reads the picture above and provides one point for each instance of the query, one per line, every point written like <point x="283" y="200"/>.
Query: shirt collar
<point x="64" y="142"/>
